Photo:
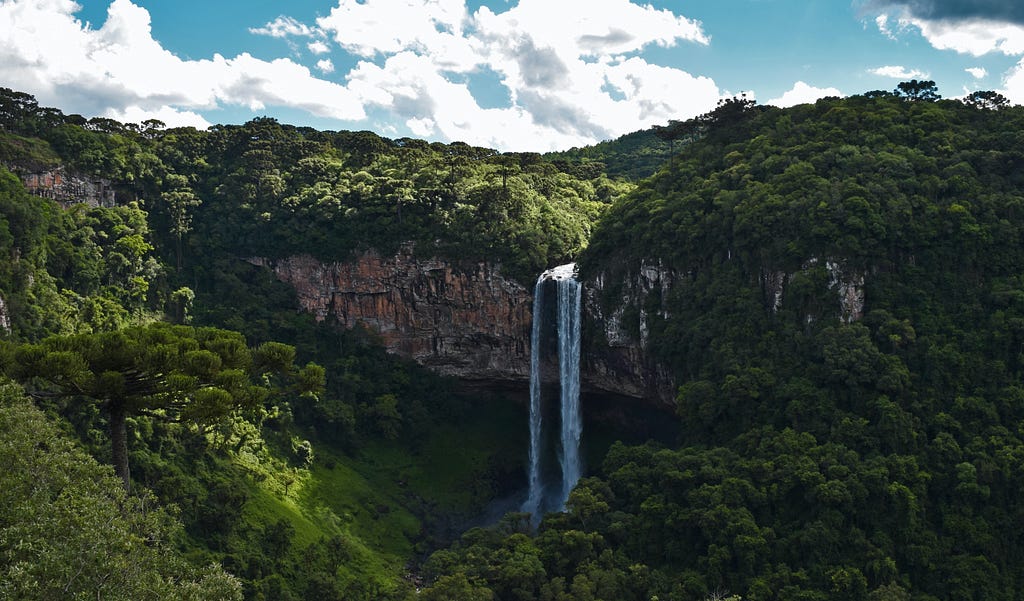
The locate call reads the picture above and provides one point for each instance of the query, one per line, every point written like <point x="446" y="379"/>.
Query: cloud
<point x="369" y="27"/>
<point x="899" y="72"/>
<point x="573" y="71"/>
<point x="283" y="27"/>
<point x="170" y="116"/>
<point x="318" y="47"/>
<point x="802" y="93"/>
<point x="1006" y="11"/>
<point x="977" y="72"/>
<point x="964" y="26"/>
<point x="120" y="69"/>
<point x="1013" y="84"/>
<point x="570" y="68"/>
<point x="974" y="37"/>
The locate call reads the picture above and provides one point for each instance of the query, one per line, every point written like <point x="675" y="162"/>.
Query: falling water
<point x="569" y="376"/>
<point x="532" y="505"/>
<point x="568" y="321"/>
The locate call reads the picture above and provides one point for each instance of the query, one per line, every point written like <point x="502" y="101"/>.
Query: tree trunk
<point x="119" y="442"/>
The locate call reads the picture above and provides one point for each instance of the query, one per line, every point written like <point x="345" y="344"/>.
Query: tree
<point x="171" y="372"/>
<point x="69" y="531"/>
<point x="918" y="90"/>
<point x="986" y="100"/>
<point x="181" y="202"/>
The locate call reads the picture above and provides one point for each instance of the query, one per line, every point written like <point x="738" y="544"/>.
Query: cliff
<point x="464" y="319"/>
<point x="67" y="186"/>
<point x="617" y="331"/>
<point x="5" y="318"/>
<point x="460" y="320"/>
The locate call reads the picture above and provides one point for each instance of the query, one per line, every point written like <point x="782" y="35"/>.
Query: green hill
<point x="845" y="323"/>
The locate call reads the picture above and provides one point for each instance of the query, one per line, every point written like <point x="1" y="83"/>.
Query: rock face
<point x="68" y="187"/>
<point x="466" y="320"/>
<point x="616" y="358"/>
<point x="5" y="318"/>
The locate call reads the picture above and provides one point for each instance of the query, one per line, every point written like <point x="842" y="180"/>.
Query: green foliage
<point x="179" y="372"/>
<point x="68" y="530"/>
<point x="828" y="450"/>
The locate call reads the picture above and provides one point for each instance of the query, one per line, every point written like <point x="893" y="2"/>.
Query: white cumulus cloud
<point x="169" y="116"/>
<point x="283" y="27"/>
<point x="318" y="47"/>
<point x="119" y="69"/>
<point x="899" y="72"/>
<point x="974" y="35"/>
<point x="570" y="72"/>
<point x="570" y="68"/>
<point x="977" y="72"/>
<point x="1013" y="84"/>
<point x="802" y="93"/>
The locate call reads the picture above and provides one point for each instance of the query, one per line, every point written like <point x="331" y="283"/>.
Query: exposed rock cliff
<point x="465" y="320"/>
<point x="5" y="318"/>
<point x="616" y="357"/>
<point x="461" y="320"/>
<point x="67" y="186"/>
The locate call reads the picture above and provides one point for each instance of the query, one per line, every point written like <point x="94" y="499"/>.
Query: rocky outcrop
<point x="845" y="283"/>
<point x="849" y="287"/>
<point x="68" y="187"/>
<point x="617" y="358"/>
<point x="462" y="320"/>
<point x="5" y="318"/>
<point x="467" y="320"/>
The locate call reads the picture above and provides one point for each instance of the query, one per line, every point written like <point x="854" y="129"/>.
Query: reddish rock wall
<point x="466" y="321"/>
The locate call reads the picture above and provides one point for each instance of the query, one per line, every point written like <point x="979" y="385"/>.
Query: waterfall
<point x="569" y="377"/>
<point x="532" y="505"/>
<point x="568" y="328"/>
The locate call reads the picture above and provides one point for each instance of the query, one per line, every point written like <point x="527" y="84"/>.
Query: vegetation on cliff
<point x="844" y="322"/>
<point x="828" y="451"/>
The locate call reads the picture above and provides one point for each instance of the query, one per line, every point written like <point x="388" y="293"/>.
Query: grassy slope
<point x="375" y="499"/>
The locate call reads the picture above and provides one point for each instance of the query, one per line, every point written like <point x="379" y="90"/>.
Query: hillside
<point x="844" y="327"/>
<point x="837" y="305"/>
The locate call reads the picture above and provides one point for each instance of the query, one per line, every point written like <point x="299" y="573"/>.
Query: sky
<point x="516" y="75"/>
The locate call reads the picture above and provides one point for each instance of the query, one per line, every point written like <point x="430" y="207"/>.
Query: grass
<point x="383" y="499"/>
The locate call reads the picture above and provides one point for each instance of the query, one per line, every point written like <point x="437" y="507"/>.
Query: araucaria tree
<point x="174" y="372"/>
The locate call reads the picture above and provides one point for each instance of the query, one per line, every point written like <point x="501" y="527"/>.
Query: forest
<point x="191" y="434"/>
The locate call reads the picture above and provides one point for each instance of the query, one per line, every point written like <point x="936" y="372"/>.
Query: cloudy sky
<point x="510" y="74"/>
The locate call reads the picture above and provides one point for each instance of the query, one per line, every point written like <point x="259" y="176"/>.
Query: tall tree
<point x="924" y="90"/>
<point x="68" y="531"/>
<point x="173" y="372"/>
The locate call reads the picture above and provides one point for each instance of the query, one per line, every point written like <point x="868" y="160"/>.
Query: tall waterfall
<point x="571" y="426"/>
<point x="532" y="505"/>
<point x="569" y="377"/>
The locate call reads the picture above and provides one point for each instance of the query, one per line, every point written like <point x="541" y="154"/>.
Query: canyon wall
<point x="460" y="320"/>
<point x="464" y="319"/>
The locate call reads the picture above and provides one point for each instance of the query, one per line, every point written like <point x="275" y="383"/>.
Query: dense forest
<point x="165" y="404"/>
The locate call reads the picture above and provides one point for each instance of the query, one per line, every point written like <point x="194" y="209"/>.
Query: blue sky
<point x="510" y="74"/>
